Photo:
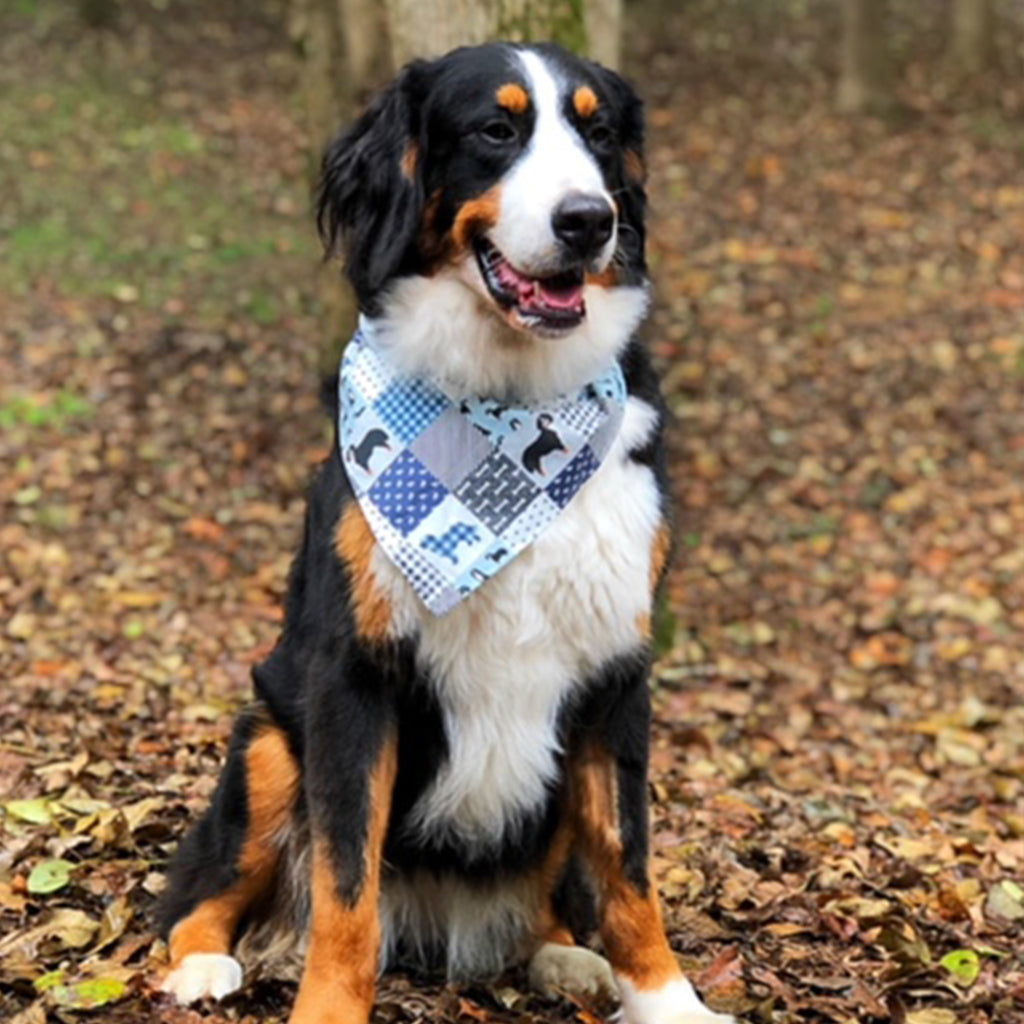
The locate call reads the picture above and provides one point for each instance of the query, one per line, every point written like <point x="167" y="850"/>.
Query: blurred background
<point x="836" y="214"/>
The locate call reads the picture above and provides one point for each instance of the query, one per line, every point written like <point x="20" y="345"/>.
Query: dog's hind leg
<point x="558" y="965"/>
<point x="229" y="860"/>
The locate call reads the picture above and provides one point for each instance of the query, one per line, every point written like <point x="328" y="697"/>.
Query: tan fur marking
<point x="550" y="927"/>
<point x="607" y="278"/>
<point x="513" y="97"/>
<point x="660" y="551"/>
<point x="585" y="100"/>
<point x="631" y="927"/>
<point x="635" y="168"/>
<point x="476" y="216"/>
<point x="410" y="160"/>
<point x="355" y="543"/>
<point x="340" y="976"/>
<point x="272" y="782"/>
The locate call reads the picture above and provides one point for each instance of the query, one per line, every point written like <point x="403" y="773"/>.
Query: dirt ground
<point x="838" y="776"/>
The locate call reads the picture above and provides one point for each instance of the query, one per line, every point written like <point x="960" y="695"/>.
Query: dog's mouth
<point x="552" y="303"/>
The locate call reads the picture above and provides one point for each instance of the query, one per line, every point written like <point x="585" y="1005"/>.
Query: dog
<point x="468" y="790"/>
<point x="447" y="545"/>
<point x="547" y="442"/>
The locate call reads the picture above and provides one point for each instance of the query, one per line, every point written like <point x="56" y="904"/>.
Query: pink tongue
<point x="533" y="293"/>
<point x="563" y="298"/>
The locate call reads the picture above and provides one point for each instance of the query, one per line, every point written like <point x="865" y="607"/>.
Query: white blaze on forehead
<point x="554" y="163"/>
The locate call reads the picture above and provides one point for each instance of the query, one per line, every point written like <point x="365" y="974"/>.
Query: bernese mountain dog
<point x="464" y="789"/>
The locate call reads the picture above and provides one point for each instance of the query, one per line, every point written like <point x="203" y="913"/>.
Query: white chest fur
<point x="504" y="660"/>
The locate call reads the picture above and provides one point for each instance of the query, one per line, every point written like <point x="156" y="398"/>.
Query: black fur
<point x="339" y="697"/>
<point x="336" y="698"/>
<point x="206" y="862"/>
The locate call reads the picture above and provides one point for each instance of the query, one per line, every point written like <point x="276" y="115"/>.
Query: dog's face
<point x="514" y="172"/>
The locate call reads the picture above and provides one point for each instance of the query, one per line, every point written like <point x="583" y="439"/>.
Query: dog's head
<point x="502" y="185"/>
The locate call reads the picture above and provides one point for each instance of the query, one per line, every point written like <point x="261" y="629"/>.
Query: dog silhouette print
<point x="447" y="544"/>
<point x="362" y="453"/>
<point x="547" y="442"/>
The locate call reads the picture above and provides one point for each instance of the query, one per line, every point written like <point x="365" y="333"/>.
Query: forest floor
<point x="838" y="774"/>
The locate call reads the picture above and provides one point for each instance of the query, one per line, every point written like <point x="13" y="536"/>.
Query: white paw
<point x="674" y="1003"/>
<point x="204" y="974"/>
<point x="556" y="968"/>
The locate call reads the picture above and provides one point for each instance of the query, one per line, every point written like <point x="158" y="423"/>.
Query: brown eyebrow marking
<point x="513" y="97"/>
<point x="585" y="100"/>
<point x="635" y="168"/>
<point x="410" y="159"/>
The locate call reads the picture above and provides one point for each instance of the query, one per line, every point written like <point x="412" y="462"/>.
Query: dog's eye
<point x="601" y="136"/>
<point x="498" y="132"/>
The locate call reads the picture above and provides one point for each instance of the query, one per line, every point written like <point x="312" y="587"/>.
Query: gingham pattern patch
<point x="455" y="486"/>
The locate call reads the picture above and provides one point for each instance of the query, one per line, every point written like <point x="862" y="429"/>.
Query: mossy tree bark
<point x="865" y="80"/>
<point x="344" y="54"/>
<point x="971" y="36"/>
<point x="428" y="28"/>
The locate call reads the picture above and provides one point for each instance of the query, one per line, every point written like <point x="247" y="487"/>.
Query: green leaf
<point x="50" y="875"/>
<point x="48" y="981"/>
<point x="89" y="994"/>
<point x="36" y="812"/>
<point x="964" y="965"/>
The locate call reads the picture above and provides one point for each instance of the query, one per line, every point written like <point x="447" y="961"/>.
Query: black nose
<point x="583" y="223"/>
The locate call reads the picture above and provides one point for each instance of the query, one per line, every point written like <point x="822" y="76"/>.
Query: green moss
<point x="107" y="187"/>
<point x="57" y="410"/>
<point x="569" y="26"/>
<point x="561" y="21"/>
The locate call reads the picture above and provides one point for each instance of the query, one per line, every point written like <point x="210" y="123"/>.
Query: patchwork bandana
<point x="454" y="487"/>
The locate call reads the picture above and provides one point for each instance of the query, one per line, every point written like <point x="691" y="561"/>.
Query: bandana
<point x="454" y="486"/>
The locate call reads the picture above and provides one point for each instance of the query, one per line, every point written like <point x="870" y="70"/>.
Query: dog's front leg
<point x="609" y="798"/>
<point x="350" y="766"/>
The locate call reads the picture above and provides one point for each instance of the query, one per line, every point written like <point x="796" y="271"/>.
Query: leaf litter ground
<point x="838" y="766"/>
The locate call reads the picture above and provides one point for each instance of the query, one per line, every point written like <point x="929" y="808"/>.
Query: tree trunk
<point x="971" y="42"/>
<point x="864" y="76"/>
<point x="363" y="25"/>
<point x="336" y="40"/>
<point x="603" y="22"/>
<point x="98" y="13"/>
<point x="428" y="28"/>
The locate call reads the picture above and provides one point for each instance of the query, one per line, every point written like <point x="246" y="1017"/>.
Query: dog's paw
<point x="556" y="968"/>
<point x="674" y="1003"/>
<point x="204" y="974"/>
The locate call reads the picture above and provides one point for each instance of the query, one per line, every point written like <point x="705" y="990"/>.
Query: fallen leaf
<point x="49" y="876"/>
<point x="88" y="994"/>
<point x="964" y="965"/>
<point x="35" y="812"/>
<point x="1006" y="899"/>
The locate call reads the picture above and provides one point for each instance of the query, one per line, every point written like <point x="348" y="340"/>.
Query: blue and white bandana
<point x="455" y="487"/>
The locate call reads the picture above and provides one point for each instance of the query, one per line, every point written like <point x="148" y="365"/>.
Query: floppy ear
<point x="370" y="198"/>
<point x="631" y="172"/>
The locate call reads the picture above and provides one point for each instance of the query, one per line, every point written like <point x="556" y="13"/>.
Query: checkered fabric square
<point x="451" y="484"/>
<point x="451" y="448"/>
<point x="408" y="407"/>
<point x="583" y="418"/>
<point x="530" y="523"/>
<point x="406" y="492"/>
<point x="562" y="489"/>
<point x="497" y="491"/>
